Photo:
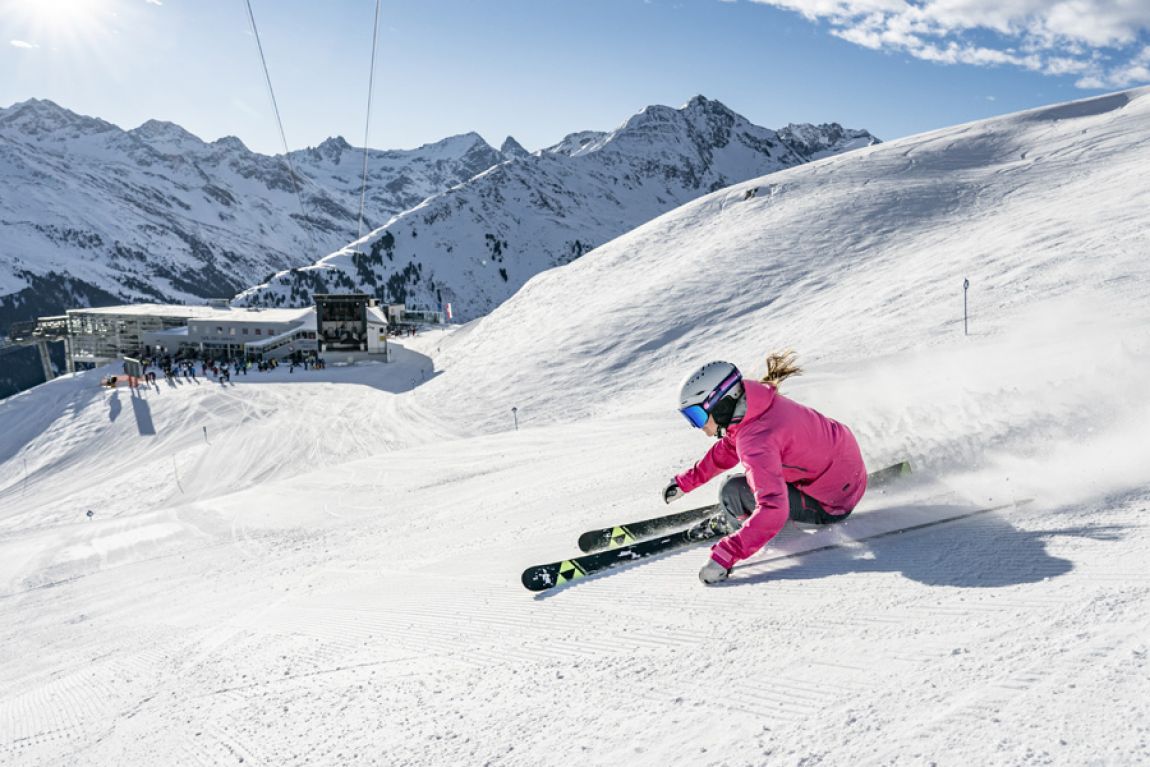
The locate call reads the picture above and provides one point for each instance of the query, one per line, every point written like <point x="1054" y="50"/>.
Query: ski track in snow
<point x="331" y="573"/>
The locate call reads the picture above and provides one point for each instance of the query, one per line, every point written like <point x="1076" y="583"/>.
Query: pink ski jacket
<point x="781" y="442"/>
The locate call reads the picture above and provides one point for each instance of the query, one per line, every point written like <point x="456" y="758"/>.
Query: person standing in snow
<point x="799" y="464"/>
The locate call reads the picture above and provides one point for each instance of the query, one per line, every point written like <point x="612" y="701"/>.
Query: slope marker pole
<point x="965" y="287"/>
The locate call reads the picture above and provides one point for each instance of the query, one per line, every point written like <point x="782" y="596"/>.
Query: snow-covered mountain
<point x="322" y="567"/>
<point x="474" y="245"/>
<point x="92" y="214"/>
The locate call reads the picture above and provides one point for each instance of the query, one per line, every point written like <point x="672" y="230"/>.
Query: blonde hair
<point x="781" y="366"/>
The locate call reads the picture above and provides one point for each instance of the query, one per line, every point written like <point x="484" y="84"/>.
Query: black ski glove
<point x="672" y="492"/>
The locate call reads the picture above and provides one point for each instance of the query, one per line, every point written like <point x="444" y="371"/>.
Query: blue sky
<point x="539" y="69"/>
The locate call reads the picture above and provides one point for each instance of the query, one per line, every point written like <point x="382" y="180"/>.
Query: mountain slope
<point x="1029" y="207"/>
<point x="476" y="244"/>
<point x="322" y="566"/>
<point x="92" y="214"/>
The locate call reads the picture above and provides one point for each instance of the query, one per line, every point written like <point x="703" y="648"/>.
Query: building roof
<point x="375" y="316"/>
<point x="233" y="314"/>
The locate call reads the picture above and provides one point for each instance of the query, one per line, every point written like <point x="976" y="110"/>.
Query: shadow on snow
<point x="982" y="552"/>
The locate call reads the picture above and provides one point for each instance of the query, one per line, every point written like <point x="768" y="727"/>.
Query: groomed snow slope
<point x="329" y="573"/>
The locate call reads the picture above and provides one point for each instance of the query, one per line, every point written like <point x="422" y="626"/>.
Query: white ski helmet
<point x="704" y="389"/>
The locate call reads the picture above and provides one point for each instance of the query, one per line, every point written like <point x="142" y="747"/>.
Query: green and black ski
<point x="631" y="532"/>
<point x="543" y="577"/>
<point x="611" y="546"/>
<point x="624" y="535"/>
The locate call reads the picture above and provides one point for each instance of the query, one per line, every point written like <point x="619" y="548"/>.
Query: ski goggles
<point x="698" y="414"/>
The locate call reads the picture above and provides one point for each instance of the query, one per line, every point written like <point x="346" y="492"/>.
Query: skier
<point x="799" y="463"/>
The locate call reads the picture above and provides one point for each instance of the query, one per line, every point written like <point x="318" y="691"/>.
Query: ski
<point x="888" y="475"/>
<point x="627" y="534"/>
<point x="543" y="577"/>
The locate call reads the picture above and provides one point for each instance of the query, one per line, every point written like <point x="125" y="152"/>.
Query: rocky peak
<point x="813" y="141"/>
<point x="701" y="105"/>
<point x="40" y="117"/>
<point x="161" y="131"/>
<point x="714" y="121"/>
<point x="574" y="144"/>
<point x="230" y="143"/>
<point x="512" y="148"/>
<point x="331" y="149"/>
<point x="480" y="155"/>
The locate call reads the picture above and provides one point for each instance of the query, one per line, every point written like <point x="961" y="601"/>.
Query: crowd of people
<point x="210" y="368"/>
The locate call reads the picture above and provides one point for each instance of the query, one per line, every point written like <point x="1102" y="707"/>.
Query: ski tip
<point x="594" y="541"/>
<point x="543" y="577"/>
<point x="590" y="541"/>
<point x="538" y="578"/>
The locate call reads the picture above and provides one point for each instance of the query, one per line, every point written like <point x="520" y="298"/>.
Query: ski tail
<point x="889" y="474"/>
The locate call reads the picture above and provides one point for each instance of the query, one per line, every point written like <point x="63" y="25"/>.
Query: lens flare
<point x="60" y="21"/>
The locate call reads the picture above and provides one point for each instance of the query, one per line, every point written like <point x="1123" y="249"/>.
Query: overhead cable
<point x="280" y="123"/>
<point x="367" y="126"/>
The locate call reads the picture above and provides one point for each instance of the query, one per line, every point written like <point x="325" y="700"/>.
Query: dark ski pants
<point x="738" y="501"/>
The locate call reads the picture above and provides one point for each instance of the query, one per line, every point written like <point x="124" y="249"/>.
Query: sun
<point x="61" y="19"/>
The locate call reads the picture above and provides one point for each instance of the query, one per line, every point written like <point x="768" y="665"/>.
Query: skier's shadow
<point x="981" y="552"/>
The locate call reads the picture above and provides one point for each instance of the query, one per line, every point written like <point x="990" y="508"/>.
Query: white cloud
<point x="22" y="44"/>
<point x="1104" y="42"/>
<point x="1135" y="70"/>
<point x="154" y="2"/>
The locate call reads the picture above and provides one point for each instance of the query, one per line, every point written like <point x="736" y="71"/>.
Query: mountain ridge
<point x="492" y="233"/>
<point x="92" y="213"/>
<point x="154" y="213"/>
